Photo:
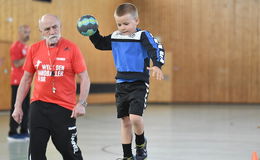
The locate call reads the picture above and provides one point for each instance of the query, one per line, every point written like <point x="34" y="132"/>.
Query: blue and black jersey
<point x="132" y="53"/>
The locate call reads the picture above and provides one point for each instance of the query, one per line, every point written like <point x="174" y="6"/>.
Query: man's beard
<point x="26" y="38"/>
<point x="52" y="39"/>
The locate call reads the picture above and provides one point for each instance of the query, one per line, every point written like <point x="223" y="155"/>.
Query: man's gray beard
<point x="53" y="39"/>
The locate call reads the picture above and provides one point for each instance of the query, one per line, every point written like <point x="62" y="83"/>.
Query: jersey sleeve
<point x="154" y="48"/>
<point x="101" y="42"/>
<point x="78" y="61"/>
<point x="28" y="65"/>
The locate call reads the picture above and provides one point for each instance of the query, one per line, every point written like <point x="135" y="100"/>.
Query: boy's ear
<point x="137" y="20"/>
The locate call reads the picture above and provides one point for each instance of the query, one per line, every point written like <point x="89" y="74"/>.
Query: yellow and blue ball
<point x="87" y="25"/>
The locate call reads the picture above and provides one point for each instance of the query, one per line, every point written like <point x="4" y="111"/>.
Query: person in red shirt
<point x="18" y="52"/>
<point x="53" y="62"/>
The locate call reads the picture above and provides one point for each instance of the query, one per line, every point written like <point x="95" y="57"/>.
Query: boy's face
<point x="126" y="24"/>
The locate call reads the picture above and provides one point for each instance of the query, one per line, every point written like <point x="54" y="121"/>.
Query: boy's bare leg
<point x="138" y="124"/>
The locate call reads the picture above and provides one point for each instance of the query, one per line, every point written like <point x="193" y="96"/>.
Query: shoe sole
<point x="17" y="140"/>
<point x="142" y="159"/>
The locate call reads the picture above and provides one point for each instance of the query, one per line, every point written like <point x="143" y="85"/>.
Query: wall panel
<point x="215" y="47"/>
<point x="5" y="91"/>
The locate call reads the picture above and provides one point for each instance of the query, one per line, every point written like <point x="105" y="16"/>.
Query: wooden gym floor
<point x="174" y="132"/>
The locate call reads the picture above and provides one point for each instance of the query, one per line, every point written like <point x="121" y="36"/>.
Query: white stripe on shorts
<point x="72" y="128"/>
<point x="146" y="95"/>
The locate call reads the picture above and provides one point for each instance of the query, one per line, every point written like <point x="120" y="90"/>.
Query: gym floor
<point x="174" y="132"/>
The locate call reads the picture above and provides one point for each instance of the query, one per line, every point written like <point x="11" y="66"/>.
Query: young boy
<point x="132" y="50"/>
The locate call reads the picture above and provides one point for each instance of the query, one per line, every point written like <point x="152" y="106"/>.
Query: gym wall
<point x="214" y="47"/>
<point x="100" y="64"/>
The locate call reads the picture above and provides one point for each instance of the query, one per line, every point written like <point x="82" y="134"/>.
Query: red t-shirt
<point x="64" y="61"/>
<point x="18" y="51"/>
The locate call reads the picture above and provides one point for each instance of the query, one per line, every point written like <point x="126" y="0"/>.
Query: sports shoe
<point x="141" y="152"/>
<point x="126" y="158"/>
<point x="25" y="135"/>
<point x="16" y="138"/>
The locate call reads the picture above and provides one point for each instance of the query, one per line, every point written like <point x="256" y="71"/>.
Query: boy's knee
<point x="126" y="123"/>
<point x="136" y="119"/>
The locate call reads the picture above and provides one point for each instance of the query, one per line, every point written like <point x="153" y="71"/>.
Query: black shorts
<point x="131" y="98"/>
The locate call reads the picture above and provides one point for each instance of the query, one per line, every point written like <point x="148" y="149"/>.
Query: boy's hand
<point x="156" y="71"/>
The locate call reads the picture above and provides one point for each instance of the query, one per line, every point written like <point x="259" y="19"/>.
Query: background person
<point x="18" y="53"/>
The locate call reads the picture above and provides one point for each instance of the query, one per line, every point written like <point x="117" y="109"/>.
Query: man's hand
<point x="78" y="110"/>
<point x="18" y="114"/>
<point x="156" y="72"/>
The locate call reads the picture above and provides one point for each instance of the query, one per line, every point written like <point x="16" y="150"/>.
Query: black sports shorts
<point x="131" y="98"/>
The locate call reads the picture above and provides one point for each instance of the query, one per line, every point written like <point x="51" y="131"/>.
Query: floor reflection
<point x="18" y="150"/>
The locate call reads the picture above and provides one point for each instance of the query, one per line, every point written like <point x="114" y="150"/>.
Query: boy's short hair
<point x="126" y="8"/>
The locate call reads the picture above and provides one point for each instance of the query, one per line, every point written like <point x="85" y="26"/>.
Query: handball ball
<point x="87" y="25"/>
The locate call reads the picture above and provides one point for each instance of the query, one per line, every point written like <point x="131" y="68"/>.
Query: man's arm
<point x="23" y="89"/>
<point x="19" y="62"/>
<point x="79" y="109"/>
